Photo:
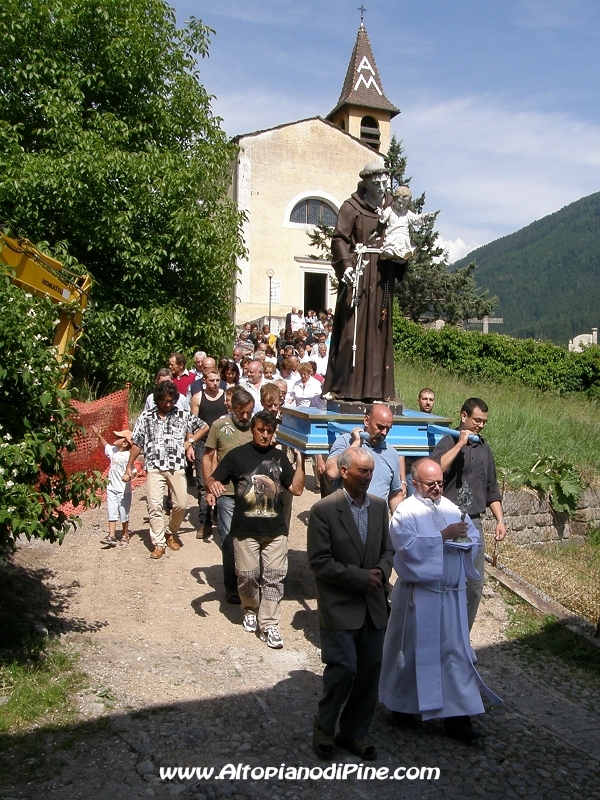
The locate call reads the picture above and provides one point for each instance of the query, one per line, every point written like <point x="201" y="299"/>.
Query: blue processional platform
<point x="312" y="431"/>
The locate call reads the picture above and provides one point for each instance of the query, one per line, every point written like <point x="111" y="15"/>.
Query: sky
<point x="500" y="101"/>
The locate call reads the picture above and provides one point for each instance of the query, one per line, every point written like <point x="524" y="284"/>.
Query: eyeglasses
<point x="429" y="484"/>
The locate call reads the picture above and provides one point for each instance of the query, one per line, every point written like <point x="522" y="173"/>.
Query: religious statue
<point x="361" y="355"/>
<point x="397" y="220"/>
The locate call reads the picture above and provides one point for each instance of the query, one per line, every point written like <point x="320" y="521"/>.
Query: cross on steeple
<point x="362" y="10"/>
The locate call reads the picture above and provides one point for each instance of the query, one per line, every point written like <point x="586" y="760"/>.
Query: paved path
<point x="174" y="681"/>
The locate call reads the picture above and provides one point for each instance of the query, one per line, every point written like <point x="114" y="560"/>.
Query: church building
<point x="289" y="178"/>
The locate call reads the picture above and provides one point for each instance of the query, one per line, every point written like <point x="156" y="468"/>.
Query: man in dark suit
<point x="350" y="552"/>
<point x="288" y="320"/>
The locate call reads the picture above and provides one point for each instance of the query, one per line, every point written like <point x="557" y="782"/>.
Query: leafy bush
<point x="557" y="480"/>
<point x="36" y="426"/>
<point x="494" y="357"/>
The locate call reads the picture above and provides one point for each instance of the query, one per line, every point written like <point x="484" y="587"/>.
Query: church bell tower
<point x="363" y="110"/>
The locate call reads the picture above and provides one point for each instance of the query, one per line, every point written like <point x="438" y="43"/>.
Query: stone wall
<point x="530" y="520"/>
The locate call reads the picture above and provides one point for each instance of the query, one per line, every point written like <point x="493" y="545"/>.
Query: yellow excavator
<point x="44" y="276"/>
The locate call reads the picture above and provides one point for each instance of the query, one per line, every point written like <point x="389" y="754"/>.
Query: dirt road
<point x="174" y="681"/>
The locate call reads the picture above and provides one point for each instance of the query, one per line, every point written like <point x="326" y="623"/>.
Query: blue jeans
<point x="204" y="510"/>
<point x="225" y="505"/>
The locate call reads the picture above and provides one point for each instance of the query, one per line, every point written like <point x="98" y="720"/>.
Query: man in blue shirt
<point x="389" y="480"/>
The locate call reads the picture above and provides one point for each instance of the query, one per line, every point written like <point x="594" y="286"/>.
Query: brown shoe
<point x="158" y="552"/>
<point x="172" y="542"/>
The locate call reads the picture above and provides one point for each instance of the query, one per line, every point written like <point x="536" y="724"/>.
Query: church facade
<point x="290" y="177"/>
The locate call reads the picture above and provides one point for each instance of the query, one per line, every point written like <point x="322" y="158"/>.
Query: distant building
<point x="579" y="343"/>
<point x="290" y="177"/>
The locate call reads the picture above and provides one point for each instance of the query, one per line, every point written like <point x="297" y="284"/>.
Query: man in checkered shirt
<point x="166" y="436"/>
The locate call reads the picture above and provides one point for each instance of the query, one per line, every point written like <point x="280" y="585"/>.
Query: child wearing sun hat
<point x="118" y="493"/>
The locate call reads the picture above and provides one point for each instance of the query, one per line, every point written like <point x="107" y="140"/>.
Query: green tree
<point x="36" y="425"/>
<point x="396" y="162"/>
<point x="430" y="289"/>
<point x="109" y="145"/>
<point x="320" y="238"/>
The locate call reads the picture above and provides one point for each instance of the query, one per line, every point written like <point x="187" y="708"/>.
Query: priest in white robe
<point x="428" y="663"/>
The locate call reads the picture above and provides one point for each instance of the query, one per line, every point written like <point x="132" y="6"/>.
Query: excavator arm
<point x="46" y="277"/>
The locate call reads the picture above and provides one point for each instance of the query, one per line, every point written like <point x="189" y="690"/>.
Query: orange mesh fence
<point x="108" y="414"/>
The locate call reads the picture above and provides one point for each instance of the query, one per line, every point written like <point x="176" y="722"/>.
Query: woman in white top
<point x="302" y="395"/>
<point x="270" y="355"/>
<point x="303" y="354"/>
<point x="269" y="371"/>
<point x="308" y="387"/>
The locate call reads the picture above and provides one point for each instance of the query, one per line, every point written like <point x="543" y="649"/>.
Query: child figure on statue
<point x="396" y="242"/>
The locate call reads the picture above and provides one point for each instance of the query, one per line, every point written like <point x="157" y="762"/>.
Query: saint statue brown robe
<point x="372" y="377"/>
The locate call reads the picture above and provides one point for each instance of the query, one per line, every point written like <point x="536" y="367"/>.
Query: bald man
<point x="199" y="384"/>
<point x="428" y="665"/>
<point x="389" y="479"/>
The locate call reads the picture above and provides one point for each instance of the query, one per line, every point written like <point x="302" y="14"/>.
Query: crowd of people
<point x="304" y="340"/>
<point x="222" y="415"/>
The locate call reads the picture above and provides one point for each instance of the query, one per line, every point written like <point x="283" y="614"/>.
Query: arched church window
<point x="312" y="212"/>
<point x="369" y="132"/>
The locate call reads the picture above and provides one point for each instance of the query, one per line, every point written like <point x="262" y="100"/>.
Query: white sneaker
<point x="250" y="622"/>
<point x="272" y="637"/>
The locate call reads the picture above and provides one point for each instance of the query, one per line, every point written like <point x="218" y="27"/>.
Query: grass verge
<point x="567" y="573"/>
<point x="39" y="691"/>
<point x="545" y="636"/>
<point x="523" y="423"/>
<point x="38" y="674"/>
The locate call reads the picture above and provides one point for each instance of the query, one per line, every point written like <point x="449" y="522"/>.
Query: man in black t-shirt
<point x="258" y="472"/>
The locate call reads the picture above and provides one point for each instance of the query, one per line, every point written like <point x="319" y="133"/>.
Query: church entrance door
<point x="315" y="291"/>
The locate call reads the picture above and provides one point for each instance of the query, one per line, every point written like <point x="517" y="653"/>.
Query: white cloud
<point x="265" y="14"/>
<point x="491" y="168"/>
<point x="456" y="249"/>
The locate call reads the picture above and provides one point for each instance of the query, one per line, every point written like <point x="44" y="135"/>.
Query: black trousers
<point x="350" y="679"/>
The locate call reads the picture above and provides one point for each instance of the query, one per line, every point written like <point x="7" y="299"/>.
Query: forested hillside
<point x="547" y="275"/>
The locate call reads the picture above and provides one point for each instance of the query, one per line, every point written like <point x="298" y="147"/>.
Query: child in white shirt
<point x="118" y="493"/>
<point x="396" y="241"/>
